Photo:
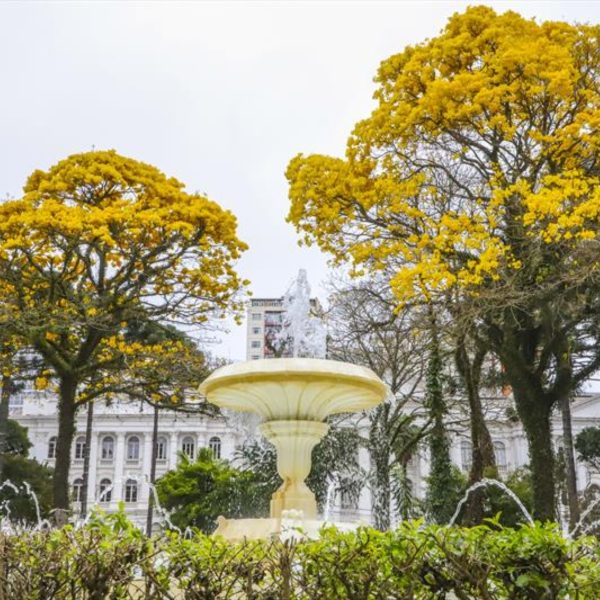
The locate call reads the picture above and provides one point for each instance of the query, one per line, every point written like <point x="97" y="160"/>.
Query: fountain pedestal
<point x="293" y="396"/>
<point x="294" y="441"/>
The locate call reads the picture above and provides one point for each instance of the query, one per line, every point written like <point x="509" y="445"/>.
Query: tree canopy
<point x="474" y="182"/>
<point x="96" y="242"/>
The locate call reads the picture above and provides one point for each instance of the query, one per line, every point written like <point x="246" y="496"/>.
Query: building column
<point x="146" y="463"/>
<point x="92" y="483"/>
<point x="117" y="491"/>
<point x="173" y="450"/>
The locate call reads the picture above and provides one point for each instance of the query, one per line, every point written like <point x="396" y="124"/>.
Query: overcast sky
<point x="220" y="95"/>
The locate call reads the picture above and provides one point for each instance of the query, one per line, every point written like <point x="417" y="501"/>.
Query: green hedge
<point x="109" y="558"/>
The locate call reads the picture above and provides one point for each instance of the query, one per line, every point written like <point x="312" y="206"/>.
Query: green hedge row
<point x="109" y="558"/>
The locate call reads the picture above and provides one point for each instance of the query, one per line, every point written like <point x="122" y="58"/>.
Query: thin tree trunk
<point x="86" y="457"/>
<point x="150" y="516"/>
<point x="439" y="499"/>
<point x="569" y="454"/>
<point x="66" y="430"/>
<point x="483" y="458"/>
<point x="380" y="459"/>
<point x="4" y="401"/>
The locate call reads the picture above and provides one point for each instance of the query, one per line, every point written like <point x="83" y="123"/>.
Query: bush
<point x="110" y="558"/>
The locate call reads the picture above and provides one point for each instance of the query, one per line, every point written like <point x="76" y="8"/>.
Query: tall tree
<point x="476" y="177"/>
<point x="95" y="242"/>
<point x="365" y="329"/>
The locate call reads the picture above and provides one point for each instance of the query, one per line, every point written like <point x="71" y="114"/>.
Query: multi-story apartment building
<point x="263" y="323"/>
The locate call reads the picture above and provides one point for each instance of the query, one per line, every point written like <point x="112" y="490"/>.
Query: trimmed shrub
<point x="110" y="558"/>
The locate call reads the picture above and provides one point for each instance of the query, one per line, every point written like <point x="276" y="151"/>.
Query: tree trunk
<point x="380" y="458"/>
<point x="483" y="458"/>
<point x="4" y="400"/>
<point x="86" y="458"/>
<point x="150" y="515"/>
<point x="66" y="430"/>
<point x="535" y="413"/>
<point x="569" y="454"/>
<point x="440" y="495"/>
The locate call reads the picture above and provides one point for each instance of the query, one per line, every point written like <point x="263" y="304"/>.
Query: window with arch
<point x="188" y="447"/>
<point x="161" y="448"/>
<point x="215" y="446"/>
<point x="105" y="491"/>
<point x="78" y="490"/>
<point x="108" y="447"/>
<point x="133" y="448"/>
<point x="52" y="447"/>
<point x="500" y="454"/>
<point x="466" y="455"/>
<point x="131" y="490"/>
<point x="79" y="448"/>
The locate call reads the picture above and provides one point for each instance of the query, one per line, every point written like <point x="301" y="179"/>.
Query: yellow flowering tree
<point x="98" y="241"/>
<point x="475" y="181"/>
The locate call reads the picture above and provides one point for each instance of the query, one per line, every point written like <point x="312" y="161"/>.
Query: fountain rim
<point x="294" y="369"/>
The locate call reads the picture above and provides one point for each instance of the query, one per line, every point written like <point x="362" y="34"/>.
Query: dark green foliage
<point x="20" y="506"/>
<point x="199" y="491"/>
<point x="587" y="444"/>
<point x="17" y="441"/>
<point x="20" y="470"/>
<point x="111" y="559"/>
<point x="443" y="483"/>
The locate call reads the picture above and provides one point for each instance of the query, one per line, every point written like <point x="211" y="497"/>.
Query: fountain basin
<point x="305" y="389"/>
<point x="293" y="396"/>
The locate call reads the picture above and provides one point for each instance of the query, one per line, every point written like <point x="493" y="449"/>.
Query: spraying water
<point x="329" y="500"/>
<point x="27" y="490"/>
<point x="584" y="515"/>
<point x="301" y="332"/>
<point x="485" y="483"/>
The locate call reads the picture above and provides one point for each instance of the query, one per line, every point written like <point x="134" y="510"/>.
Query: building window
<point x="466" y="455"/>
<point x="131" y="490"/>
<point x="133" y="448"/>
<point x="256" y="316"/>
<point x="255" y="357"/>
<point x="78" y="490"/>
<point x="161" y="448"/>
<point x="255" y="344"/>
<point x="105" y="491"/>
<point x="256" y="330"/>
<point x="500" y="453"/>
<point x="15" y="405"/>
<point x="188" y="447"/>
<point x="108" y="448"/>
<point x="52" y="447"/>
<point x="79" y="448"/>
<point x="215" y="445"/>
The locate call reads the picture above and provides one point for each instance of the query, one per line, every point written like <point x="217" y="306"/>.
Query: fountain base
<point x="288" y="527"/>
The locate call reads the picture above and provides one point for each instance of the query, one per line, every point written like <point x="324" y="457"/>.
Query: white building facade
<point x="121" y="447"/>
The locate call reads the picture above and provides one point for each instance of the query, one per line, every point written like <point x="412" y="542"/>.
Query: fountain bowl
<point x="298" y="389"/>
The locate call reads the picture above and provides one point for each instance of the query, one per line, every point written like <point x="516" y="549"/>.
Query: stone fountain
<point x="293" y="396"/>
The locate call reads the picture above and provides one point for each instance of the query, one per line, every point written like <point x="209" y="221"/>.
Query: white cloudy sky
<point x="218" y="94"/>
